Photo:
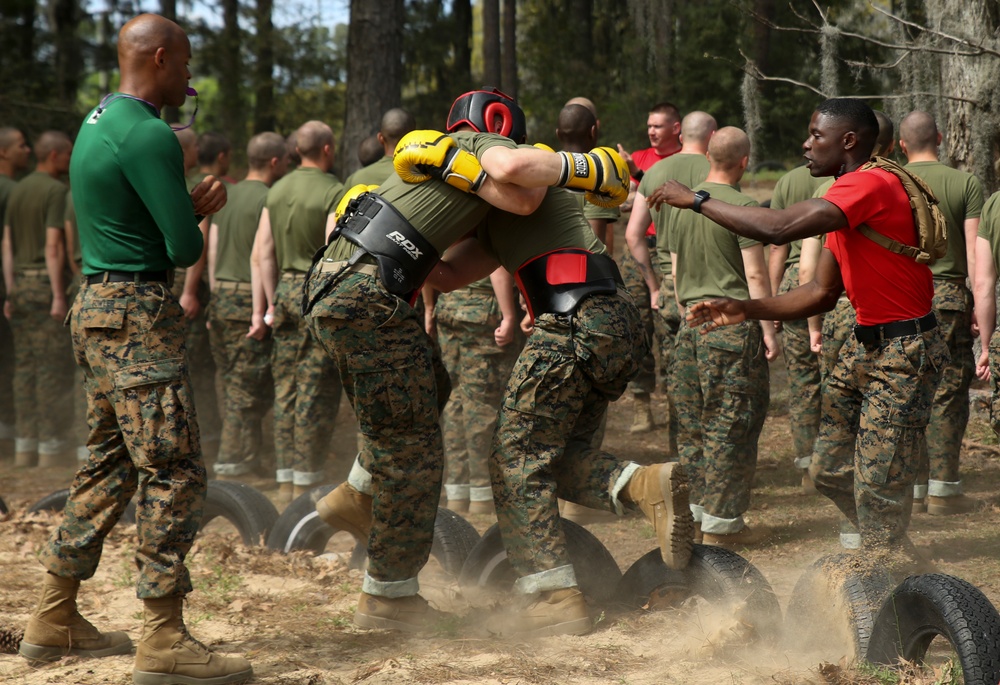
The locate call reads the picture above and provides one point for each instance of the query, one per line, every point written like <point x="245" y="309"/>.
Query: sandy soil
<point x="291" y="614"/>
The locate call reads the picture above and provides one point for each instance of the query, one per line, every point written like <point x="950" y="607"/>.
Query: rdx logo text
<point x="401" y="240"/>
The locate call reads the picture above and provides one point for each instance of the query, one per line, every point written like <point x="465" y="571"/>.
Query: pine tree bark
<point x="509" y="63"/>
<point x="374" y="72"/>
<point x="231" y="100"/>
<point x="492" y="75"/>
<point x="264" y="114"/>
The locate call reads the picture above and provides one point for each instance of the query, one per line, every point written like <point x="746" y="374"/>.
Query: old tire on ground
<point x="248" y="509"/>
<point x="649" y="584"/>
<point x="56" y="502"/>
<point x="722" y="576"/>
<point x="3" y="507"/>
<point x="597" y="571"/>
<point x="925" y="606"/>
<point x="837" y="585"/>
<point x="454" y="539"/>
<point x="300" y="527"/>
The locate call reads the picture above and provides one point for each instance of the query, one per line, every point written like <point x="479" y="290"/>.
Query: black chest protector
<point x="558" y="281"/>
<point x="404" y="257"/>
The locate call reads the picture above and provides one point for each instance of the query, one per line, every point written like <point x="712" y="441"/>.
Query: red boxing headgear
<point x="482" y="109"/>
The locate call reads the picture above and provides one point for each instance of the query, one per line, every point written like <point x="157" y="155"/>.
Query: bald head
<point x="14" y="151"/>
<point x="697" y="129"/>
<point x="312" y="138"/>
<point x="728" y="149"/>
<point x="583" y="102"/>
<point x="153" y="53"/>
<point x="919" y="133"/>
<point x="576" y="128"/>
<point x="396" y="123"/>
<point x="140" y="38"/>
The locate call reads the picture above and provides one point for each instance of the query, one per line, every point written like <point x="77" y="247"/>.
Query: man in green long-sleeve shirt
<point x="136" y="222"/>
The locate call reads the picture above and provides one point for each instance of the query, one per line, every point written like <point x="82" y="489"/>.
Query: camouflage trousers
<point x="557" y="395"/>
<point x="392" y="374"/>
<point x="129" y="339"/>
<point x="654" y="327"/>
<point x="199" y="359"/>
<point x="7" y="365"/>
<point x="670" y="323"/>
<point x="43" y="366"/>
<point x="478" y="368"/>
<point x="245" y="368"/>
<point x="994" y="357"/>
<point x="876" y="406"/>
<point x="838" y="326"/>
<point x="802" y="367"/>
<point x="307" y="393"/>
<point x="721" y="391"/>
<point x="950" y="410"/>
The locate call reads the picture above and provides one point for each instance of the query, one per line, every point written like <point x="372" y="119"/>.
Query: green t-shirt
<point x="557" y="223"/>
<point x="960" y="197"/>
<point x="35" y="205"/>
<point x="298" y="205"/>
<point x="237" y="227"/>
<point x="689" y="169"/>
<point x="375" y="174"/>
<point x="797" y="185"/>
<point x="710" y="258"/>
<point x="133" y="209"/>
<point x="989" y="227"/>
<point x="70" y="218"/>
<point x="440" y="213"/>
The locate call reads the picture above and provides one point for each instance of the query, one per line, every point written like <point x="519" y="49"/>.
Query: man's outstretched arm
<point x="775" y="226"/>
<point x="816" y="296"/>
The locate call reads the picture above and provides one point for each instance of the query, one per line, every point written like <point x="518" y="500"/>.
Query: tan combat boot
<point x="642" y="420"/>
<point x="556" y="612"/>
<point x="661" y="492"/>
<point x="950" y="506"/>
<point x="286" y="493"/>
<point x="410" y="614"/>
<point x="745" y="537"/>
<point x="57" y="629"/>
<point x="346" y="508"/>
<point x="168" y="655"/>
<point x="585" y="516"/>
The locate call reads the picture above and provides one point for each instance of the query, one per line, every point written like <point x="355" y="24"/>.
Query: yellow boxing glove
<point x="351" y="194"/>
<point x="601" y="173"/>
<point x="423" y="155"/>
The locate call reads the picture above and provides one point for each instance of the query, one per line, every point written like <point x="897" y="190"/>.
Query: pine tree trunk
<point x="231" y="101"/>
<point x="491" y="43"/>
<point x="374" y="72"/>
<point x="509" y="75"/>
<point x="264" y="114"/>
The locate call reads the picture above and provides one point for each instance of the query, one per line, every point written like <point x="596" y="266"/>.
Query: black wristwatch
<point x="699" y="198"/>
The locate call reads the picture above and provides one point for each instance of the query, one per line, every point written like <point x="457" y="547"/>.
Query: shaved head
<point x="583" y="102"/>
<point x="728" y="148"/>
<point x="311" y="138"/>
<point x="140" y="38"/>
<point x="396" y="123"/>
<point x="698" y="127"/>
<point x="51" y="141"/>
<point x="153" y="54"/>
<point x="189" y="146"/>
<point x="264" y="147"/>
<point x="370" y="150"/>
<point x="886" y="134"/>
<point x="576" y="127"/>
<point x="919" y="132"/>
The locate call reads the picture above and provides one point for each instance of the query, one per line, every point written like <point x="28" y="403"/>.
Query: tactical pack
<point x="932" y="227"/>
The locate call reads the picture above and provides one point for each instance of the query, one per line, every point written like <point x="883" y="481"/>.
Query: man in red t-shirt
<point x="663" y="126"/>
<point x="880" y="396"/>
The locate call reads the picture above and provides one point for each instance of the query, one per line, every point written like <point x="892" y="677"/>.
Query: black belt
<point x="129" y="277"/>
<point x="873" y="335"/>
<point x="651" y="241"/>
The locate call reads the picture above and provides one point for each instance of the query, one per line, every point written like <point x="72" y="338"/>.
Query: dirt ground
<point x="291" y="615"/>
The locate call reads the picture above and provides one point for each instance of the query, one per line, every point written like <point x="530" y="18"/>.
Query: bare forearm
<point x="798" y="303"/>
<point x="503" y="288"/>
<point x="8" y="261"/>
<point x="55" y="260"/>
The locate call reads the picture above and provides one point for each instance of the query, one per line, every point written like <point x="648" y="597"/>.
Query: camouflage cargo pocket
<point x="156" y="412"/>
<point x="390" y="390"/>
